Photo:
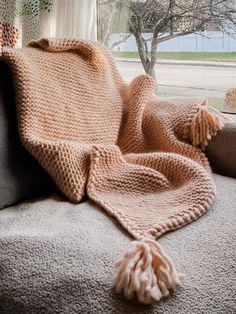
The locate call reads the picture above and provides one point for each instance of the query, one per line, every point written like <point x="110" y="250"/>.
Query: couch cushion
<point x="20" y="175"/>
<point x="57" y="257"/>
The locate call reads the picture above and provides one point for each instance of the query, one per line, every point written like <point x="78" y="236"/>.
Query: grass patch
<point x="214" y="102"/>
<point x="183" y="55"/>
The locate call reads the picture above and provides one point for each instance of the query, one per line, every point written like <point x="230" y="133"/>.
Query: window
<point x="188" y="47"/>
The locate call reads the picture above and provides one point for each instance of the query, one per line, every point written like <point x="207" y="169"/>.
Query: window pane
<point x="188" y="47"/>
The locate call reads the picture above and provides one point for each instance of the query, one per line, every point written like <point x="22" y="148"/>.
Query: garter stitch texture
<point x="93" y="133"/>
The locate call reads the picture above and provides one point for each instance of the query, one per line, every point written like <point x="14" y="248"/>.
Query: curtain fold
<point x="22" y="21"/>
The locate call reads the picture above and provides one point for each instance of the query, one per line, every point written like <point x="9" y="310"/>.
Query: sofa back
<point x="221" y="151"/>
<point x="21" y="176"/>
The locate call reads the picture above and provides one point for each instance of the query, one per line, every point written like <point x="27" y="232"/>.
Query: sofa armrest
<point x="221" y="151"/>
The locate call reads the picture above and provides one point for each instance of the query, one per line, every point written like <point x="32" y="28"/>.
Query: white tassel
<point x="145" y="271"/>
<point x="205" y="124"/>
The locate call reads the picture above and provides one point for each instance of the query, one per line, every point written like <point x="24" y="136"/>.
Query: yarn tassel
<point x="205" y="124"/>
<point x="146" y="271"/>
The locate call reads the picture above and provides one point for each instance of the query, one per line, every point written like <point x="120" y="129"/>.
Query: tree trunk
<point x="142" y="50"/>
<point x="148" y="65"/>
<point x="151" y="72"/>
<point x="153" y="61"/>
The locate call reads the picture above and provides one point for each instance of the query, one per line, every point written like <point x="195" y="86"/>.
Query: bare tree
<point x="167" y="19"/>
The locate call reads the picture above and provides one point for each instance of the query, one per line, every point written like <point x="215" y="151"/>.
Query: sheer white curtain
<point x="70" y="18"/>
<point x="24" y="20"/>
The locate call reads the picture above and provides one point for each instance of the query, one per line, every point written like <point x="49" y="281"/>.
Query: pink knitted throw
<point x="130" y="151"/>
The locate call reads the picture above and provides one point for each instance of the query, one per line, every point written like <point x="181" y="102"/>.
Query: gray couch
<point x="57" y="257"/>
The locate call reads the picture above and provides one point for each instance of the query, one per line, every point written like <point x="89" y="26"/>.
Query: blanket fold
<point x="136" y="155"/>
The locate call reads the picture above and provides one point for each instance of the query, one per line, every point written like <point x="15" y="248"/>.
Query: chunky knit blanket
<point x="135" y="155"/>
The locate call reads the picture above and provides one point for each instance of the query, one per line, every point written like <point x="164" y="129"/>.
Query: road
<point x="186" y="80"/>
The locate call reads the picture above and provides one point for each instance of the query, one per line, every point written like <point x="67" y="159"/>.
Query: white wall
<point x="217" y="42"/>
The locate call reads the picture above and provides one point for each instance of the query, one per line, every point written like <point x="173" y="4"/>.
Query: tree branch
<point x="109" y="22"/>
<point x="123" y="40"/>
